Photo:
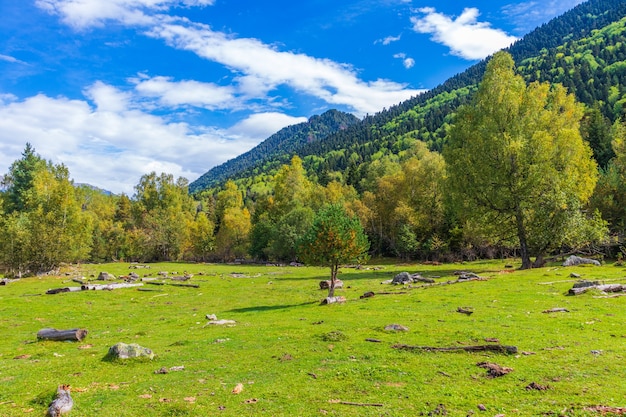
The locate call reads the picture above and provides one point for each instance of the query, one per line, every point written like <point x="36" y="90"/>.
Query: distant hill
<point x="584" y="49"/>
<point x="279" y="147"/>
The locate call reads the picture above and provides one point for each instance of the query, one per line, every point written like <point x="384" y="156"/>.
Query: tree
<point x="516" y="160"/>
<point x="334" y="238"/>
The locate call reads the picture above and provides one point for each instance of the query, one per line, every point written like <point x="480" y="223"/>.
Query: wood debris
<point x="511" y="350"/>
<point x="494" y="370"/>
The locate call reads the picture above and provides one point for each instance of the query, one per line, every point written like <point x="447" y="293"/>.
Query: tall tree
<point x="334" y="238"/>
<point x="516" y="160"/>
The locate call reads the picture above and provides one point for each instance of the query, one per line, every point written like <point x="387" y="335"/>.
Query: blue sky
<point x="115" y="89"/>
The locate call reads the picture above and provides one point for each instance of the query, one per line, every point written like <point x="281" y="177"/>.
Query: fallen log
<point x="510" y="350"/>
<point x="64" y="289"/>
<point x="59" y="335"/>
<point x="333" y="300"/>
<point x="108" y="286"/>
<point x="603" y="288"/>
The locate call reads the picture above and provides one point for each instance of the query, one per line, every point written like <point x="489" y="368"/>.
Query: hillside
<point x="274" y="148"/>
<point x="584" y="49"/>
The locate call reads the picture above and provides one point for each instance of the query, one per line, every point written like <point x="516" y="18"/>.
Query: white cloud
<point x="389" y="39"/>
<point x="259" y="69"/>
<point x="263" y="68"/>
<point x="11" y="59"/>
<point x="263" y="125"/>
<point x="465" y="36"/>
<point x="110" y="144"/>
<point x="408" y="62"/>
<point x="188" y="92"/>
<point x="86" y="13"/>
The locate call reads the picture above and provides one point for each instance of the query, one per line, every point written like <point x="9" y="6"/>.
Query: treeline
<point x="517" y="176"/>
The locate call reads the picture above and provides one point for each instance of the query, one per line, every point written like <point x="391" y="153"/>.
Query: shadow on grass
<point x="269" y="308"/>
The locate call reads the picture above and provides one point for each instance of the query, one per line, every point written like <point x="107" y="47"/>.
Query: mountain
<point x="276" y="148"/>
<point x="584" y="49"/>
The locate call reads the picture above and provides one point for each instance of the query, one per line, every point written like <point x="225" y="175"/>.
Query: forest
<point x="515" y="178"/>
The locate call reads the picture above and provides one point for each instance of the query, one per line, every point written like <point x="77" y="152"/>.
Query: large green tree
<point x="517" y="163"/>
<point x="334" y="238"/>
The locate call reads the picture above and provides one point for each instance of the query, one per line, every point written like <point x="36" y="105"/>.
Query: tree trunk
<point x="54" y="334"/>
<point x="523" y="244"/>
<point x="539" y="261"/>
<point x="333" y="278"/>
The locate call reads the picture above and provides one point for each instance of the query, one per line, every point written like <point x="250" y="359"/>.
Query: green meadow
<point x="295" y="357"/>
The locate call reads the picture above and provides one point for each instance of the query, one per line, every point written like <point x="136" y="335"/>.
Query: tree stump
<point x="61" y="335"/>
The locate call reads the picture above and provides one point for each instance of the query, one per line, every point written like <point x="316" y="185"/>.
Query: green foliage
<point x="334" y="238"/>
<point x="516" y="160"/>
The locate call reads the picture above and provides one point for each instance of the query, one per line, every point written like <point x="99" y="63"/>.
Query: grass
<point x="297" y="358"/>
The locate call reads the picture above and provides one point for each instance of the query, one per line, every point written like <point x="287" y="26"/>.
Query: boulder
<point x="127" y="351"/>
<point x="577" y="260"/>
<point x="105" y="276"/>
<point x="402" y="278"/>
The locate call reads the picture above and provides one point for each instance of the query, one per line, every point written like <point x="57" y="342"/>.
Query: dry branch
<point x="511" y="350"/>
<point x="356" y="404"/>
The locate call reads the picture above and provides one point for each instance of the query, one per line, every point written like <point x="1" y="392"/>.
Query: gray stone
<point x="402" y="278"/>
<point x="105" y="276"/>
<point x="396" y="328"/>
<point x="577" y="260"/>
<point x="127" y="351"/>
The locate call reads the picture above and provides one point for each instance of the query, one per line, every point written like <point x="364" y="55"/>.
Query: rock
<point x="402" y="278"/>
<point x="211" y="317"/>
<point x="585" y="284"/>
<point x="574" y="275"/>
<point x="577" y="260"/>
<point x="324" y="285"/>
<point x="222" y="322"/>
<point x="105" y="276"/>
<point x="126" y="351"/>
<point x="396" y="328"/>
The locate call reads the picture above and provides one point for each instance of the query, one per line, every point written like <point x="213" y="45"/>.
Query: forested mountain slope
<point x="282" y="143"/>
<point x="584" y="49"/>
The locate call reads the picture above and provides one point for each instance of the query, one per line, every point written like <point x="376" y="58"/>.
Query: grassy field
<point x="295" y="357"/>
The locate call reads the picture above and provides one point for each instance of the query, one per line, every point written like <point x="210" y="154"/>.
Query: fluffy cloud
<point x="186" y="93"/>
<point x="86" y="13"/>
<point x="108" y="142"/>
<point x="263" y="124"/>
<point x="264" y="68"/>
<point x="408" y="62"/>
<point x="465" y="36"/>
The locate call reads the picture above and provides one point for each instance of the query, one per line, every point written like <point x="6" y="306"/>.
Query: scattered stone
<point x="577" y="260"/>
<point x="402" y="278"/>
<point x="127" y="351"/>
<point x="324" y="285"/>
<point x="596" y="352"/>
<point x="537" y="387"/>
<point x="211" y="317"/>
<point x="396" y="328"/>
<point x="238" y="388"/>
<point x="105" y="276"/>
<point x="439" y="411"/>
<point x="574" y="275"/>
<point x="368" y="294"/>
<point x="465" y="310"/>
<point x="481" y="407"/>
